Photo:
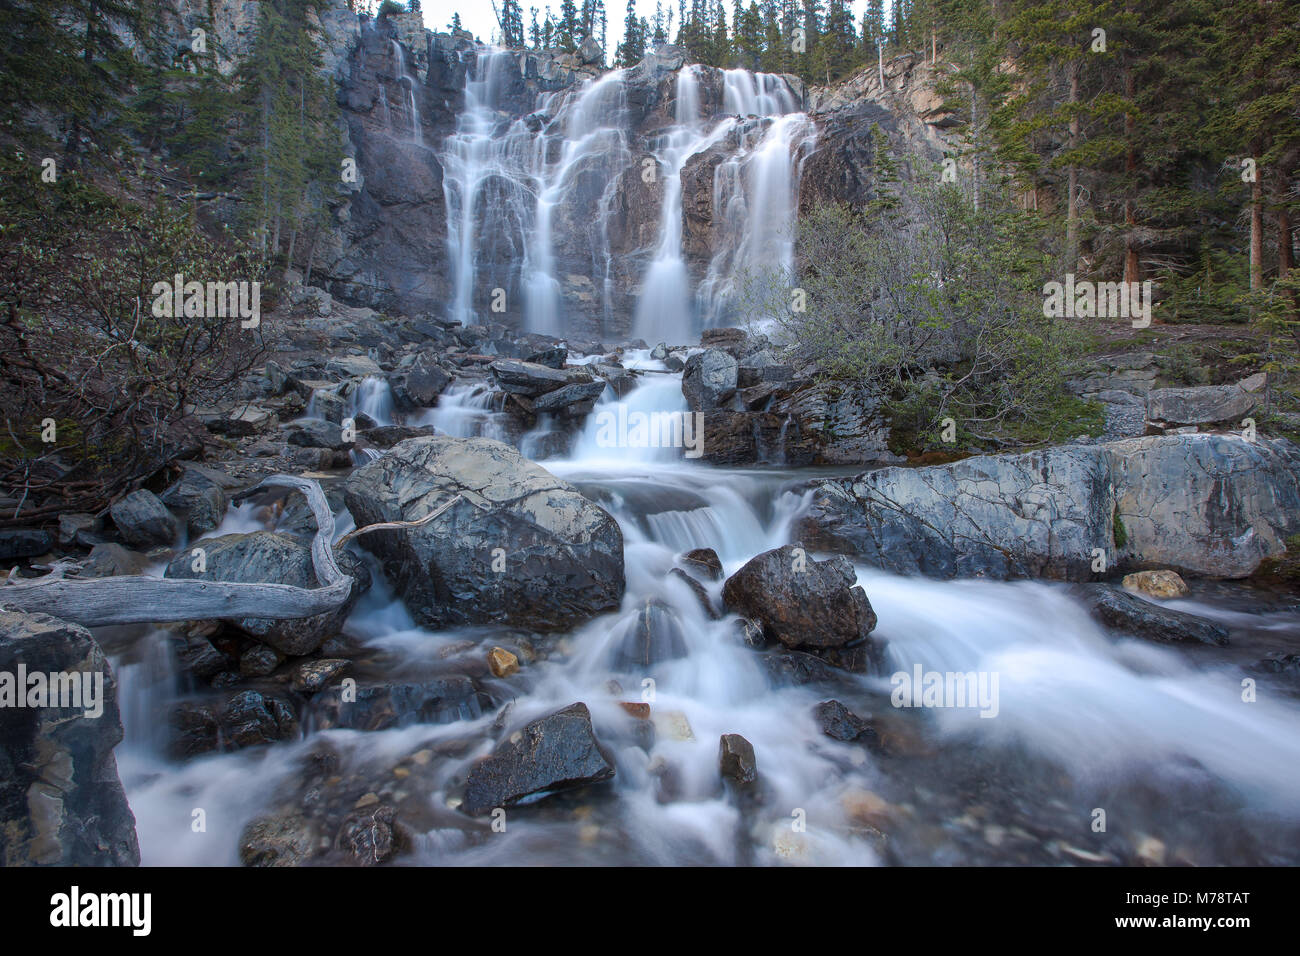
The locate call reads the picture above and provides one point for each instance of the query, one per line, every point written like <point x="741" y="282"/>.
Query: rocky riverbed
<point x="619" y="654"/>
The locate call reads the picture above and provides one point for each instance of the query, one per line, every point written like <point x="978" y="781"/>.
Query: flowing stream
<point x="1156" y="737"/>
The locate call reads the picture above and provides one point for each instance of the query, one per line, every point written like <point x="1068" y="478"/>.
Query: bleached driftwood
<point x="401" y="525"/>
<point x="135" y="598"/>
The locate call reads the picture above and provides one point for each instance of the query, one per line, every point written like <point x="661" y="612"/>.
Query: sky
<point x="477" y="16"/>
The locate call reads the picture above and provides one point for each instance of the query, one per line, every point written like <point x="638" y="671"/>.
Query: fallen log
<point x="136" y="599"/>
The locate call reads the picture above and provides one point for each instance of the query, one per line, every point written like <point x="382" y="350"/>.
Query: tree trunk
<point x="1072" y="183"/>
<point x="1256" y="234"/>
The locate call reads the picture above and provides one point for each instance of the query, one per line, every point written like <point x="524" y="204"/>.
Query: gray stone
<point x="709" y="379"/>
<point x="61" y="801"/>
<point x="18" y="543"/>
<point x="736" y="761"/>
<point x="1201" y="504"/>
<point x="1122" y="611"/>
<point x="143" y="521"/>
<point x="563" y="554"/>
<point x="801" y="602"/>
<point x="556" y="752"/>
<point x="200" y="499"/>
<point x="259" y="558"/>
<point x="532" y="379"/>
<point x="569" y="395"/>
<point x="1205" y="404"/>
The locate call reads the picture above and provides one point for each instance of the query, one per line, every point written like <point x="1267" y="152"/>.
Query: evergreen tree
<point x="632" y="49"/>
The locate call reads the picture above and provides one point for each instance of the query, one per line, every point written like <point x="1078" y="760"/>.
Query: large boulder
<point x="1205" y="504"/>
<point x="709" y="379"/>
<point x="522" y="548"/>
<point x="61" y="801"/>
<point x="556" y="752"/>
<point x="803" y="603"/>
<point x="264" y="557"/>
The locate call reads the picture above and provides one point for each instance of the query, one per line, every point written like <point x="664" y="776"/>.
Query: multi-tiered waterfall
<point x="578" y="206"/>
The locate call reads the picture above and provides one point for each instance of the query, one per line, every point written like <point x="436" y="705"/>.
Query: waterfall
<point x="664" y="312"/>
<point x="409" y="81"/>
<point x="506" y="181"/>
<point x="536" y="203"/>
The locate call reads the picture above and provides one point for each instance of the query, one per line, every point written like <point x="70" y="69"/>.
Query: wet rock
<point x="196" y="654"/>
<point x="698" y="590"/>
<point x="840" y="723"/>
<point x="553" y="357"/>
<point x="556" y="752"/>
<point x="709" y="379"/>
<point x="108" y="560"/>
<point x="258" y="660"/>
<point x="379" y="705"/>
<point x="418" y="387"/>
<point x="802" y="602"/>
<point x="315" y="433"/>
<point x="751" y="633"/>
<point x="198" y="499"/>
<point x="329" y="405"/>
<point x="797" y="668"/>
<point x="216" y="723"/>
<point x="1165" y="585"/>
<point x="368" y="837"/>
<point x="386" y="436"/>
<point x="704" y="562"/>
<point x="61" y="801"/>
<point x="659" y="352"/>
<point x="262" y="557"/>
<point x="563" y="554"/>
<point x="1125" y="612"/>
<point x="1204" y="504"/>
<point x="18" y="543"/>
<point x="653" y="636"/>
<point x="286" y="839"/>
<point x="532" y="379"/>
<point x="309" y="677"/>
<point x="736" y="760"/>
<point x="620" y="379"/>
<point x="502" y="663"/>
<point x="569" y="395"/>
<point x="143" y="521"/>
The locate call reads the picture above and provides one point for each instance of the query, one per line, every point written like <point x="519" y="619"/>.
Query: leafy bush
<point x="936" y="307"/>
<point x="80" y="344"/>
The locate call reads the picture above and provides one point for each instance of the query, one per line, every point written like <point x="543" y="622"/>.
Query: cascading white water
<point x="664" y="309"/>
<point x="521" y="189"/>
<point x="505" y="181"/>
<point x="1102" y="712"/>
<point x="409" y="82"/>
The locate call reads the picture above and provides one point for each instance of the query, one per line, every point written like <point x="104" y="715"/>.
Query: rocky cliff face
<point x="398" y="238"/>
